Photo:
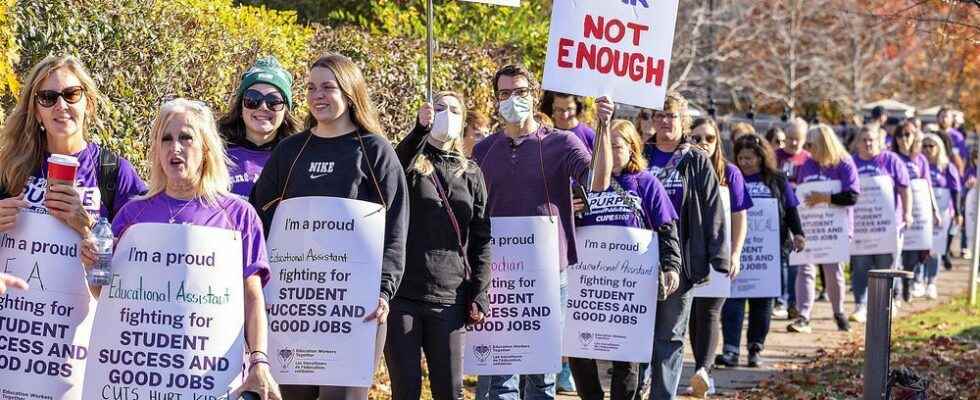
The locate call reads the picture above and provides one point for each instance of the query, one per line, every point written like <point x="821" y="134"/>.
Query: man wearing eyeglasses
<point x="527" y="168"/>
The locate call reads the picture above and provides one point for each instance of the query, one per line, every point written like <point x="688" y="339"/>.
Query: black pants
<point x="705" y="330"/>
<point x="587" y="384"/>
<point x="312" y="392"/>
<point x="732" y="316"/>
<point x="437" y="329"/>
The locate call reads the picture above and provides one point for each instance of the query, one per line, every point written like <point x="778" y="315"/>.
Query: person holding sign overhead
<point x="692" y="185"/>
<point x="763" y="181"/>
<point x="705" y="323"/>
<point x="945" y="178"/>
<point x="189" y="185"/>
<point x="343" y="154"/>
<point x="527" y="169"/>
<point x="829" y="163"/>
<point x="872" y="161"/>
<point x="447" y="267"/>
<point x="635" y="199"/>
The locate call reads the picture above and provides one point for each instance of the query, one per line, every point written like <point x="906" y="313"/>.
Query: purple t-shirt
<point x="646" y="192"/>
<point x="671" y="180"/>
<point x="959" y="142"/>
<point x="516" y="186"/>
<point x="758" y="189"/>
<point x="949" y="179"/>
<point x="738" y="194"/>
<point x="918" y="166"/>
<point x="890" y="164"/>
<point x="231" y="213"/>
<point x="128" y="186"/>
<point x="789" y="163"/>
<point x="585" y="134"/>
<point x="844" y="172"/>
<point x="246" y="166"/>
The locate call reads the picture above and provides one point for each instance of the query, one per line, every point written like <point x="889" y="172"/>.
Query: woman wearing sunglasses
<point x="945" y="177"/>
<point x="261" y="115"/>
<point x="57" y="107"/>
<point x="705" y="324"/>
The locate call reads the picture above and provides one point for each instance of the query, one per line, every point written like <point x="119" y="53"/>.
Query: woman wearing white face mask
<point x="447" y="266"/>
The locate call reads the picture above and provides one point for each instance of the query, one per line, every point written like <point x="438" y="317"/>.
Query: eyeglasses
<point x="504" y="94"/>
<point x="72" y="95"/>
<point x="253" y="100"/>
<point x="928" y="146"/>
<point x="706" y="139"/>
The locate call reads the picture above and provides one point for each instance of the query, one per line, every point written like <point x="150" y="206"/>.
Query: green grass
<point x="956" y="319"/>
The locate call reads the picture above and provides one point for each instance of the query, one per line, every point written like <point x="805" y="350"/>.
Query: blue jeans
<point x="667" y="361"/>
<point x="732" y="317"/>
<point x="538" y="386"/>
<point x="788" y="274"/>
<point x="931" y="270"/>
<point x="860" y="265"/>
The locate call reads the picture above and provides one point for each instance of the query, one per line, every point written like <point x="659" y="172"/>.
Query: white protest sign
<point x="940" y="237"/>
<point x="325" y="254"/>
<point x="512" y="3"/>
<point x="875" y="224"/>
<point x="44" y="331"/>
<point x="719" y="284"/>
<point x="172" y="322"/>
<point x="522" y="330"/>
<point x="918" y="234"/>
<point x="826" y="227"/>
<point x="612" y="294"/>
<point x="761" y="253"/>
<point x="617" y="48"/>
<point x="971" y="216"/>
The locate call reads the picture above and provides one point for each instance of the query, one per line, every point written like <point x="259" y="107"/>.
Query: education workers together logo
<point x="482" y="352"/>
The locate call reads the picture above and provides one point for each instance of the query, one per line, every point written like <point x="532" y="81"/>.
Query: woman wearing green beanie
<point x="259" y="116"/>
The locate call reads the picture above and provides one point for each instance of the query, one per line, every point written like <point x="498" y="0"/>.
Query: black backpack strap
<point x="108" y="180"/>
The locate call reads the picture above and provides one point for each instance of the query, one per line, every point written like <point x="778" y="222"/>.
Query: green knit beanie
<point x="268" y="70"/>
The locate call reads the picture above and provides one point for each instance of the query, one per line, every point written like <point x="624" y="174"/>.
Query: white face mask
<point x="516" y="109"/>
<point x="446" y="126"/>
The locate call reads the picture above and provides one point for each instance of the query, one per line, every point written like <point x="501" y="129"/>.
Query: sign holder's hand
<point x="380" y="313"/>
<point x="672" y="281"/>
<point x="65" y="203"/>
<point x="9" y="208"/>
<point x="476" y="316"/>
<point x="12" y="282"/>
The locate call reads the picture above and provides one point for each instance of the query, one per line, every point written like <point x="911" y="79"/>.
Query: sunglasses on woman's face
<point x="706" y="139"/>
<point x="253" y="99"/>
<point x="72" y="95"/>
<point x="928" y="146"/>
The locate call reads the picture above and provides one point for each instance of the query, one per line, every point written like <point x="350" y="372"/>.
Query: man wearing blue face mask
<point x="527" y="168"/>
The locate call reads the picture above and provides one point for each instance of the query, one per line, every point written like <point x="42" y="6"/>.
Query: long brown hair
<point x="362" y="111"/>
<point x="232" y="126"/>
<point x="22" y="139"/>
<point x="718" y="161"/>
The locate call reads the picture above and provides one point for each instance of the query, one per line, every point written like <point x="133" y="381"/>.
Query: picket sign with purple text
<point x="761" y="253"/>
<point x="875" y="218"/>
<point x="826" y="227"/>
<point x="619" y="48"/>
<point x="44" y="331"/>
<point x="172" y="322"/>
<point x="940" y="238"/>
<point x="719" y="284"/>
<point x="325" y="256"/>
<point x="612" y="294"/>
<point x="512" y="3"/>
<point x="522" y="330"/>
<point x="918" y="234"/>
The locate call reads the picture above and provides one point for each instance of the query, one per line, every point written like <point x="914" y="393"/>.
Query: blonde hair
<point x="942" y="159"/>
<point x="826" y="149"/>
<point x="677" y="104"/>
<point x="422" y="163"/>
<point x="637" y="161"/>
<point x="22" y="139"/>
<point x="351" y="81"/>
<point x="214" y="181"/>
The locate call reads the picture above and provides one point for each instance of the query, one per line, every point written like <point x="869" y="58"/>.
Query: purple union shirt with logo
<point x="246" y="166"/>
<point x="645" y="190"/>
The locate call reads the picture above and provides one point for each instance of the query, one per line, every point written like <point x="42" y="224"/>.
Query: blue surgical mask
<point x="516" y="109"/>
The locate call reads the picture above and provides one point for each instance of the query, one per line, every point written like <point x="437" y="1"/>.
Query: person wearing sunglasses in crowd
<point x="260" y="116"/>
<point x="871" y="160"/>
<point x="447" y="266"/>
<point x="635" y="199"/>
<point x="789" y="158"/>
<point x="776" y="138"/>
<point x="945" y="176"/>
<point x="528" y="169"/>
<point x="343" y="131"/>
<point x="692" y="185"/>
<point x="705" y="320"/>
<point x="757" y="162"/>
<point x="477" y="129"/>
<point x="55" y="112"/>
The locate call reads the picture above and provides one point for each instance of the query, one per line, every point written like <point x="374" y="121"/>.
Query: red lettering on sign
<point x="612" y="31"/>
<point x="638" y="67"/>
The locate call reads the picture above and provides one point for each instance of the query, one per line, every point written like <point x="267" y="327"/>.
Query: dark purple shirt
<point x="231" y="213"/>
<point x="585" y="134"/>
<point x="532" y="179"/>
<point x="738" y="194"/>
<point x="645" y="192"/>
<point x="959" y="142"/>
<point x="246" y="166"/>
<point x="128" y="186"/>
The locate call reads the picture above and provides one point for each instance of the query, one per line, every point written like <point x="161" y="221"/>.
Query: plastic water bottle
<point x="101" y="275"/>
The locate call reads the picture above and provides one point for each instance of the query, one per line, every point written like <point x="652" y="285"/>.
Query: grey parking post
<point x="877" y="338"/>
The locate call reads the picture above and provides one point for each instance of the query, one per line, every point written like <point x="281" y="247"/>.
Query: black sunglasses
<point x="253" y="99"/>
<point x="72" y="95"/>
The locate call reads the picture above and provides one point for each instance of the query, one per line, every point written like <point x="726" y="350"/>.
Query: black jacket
<point x="341" y="167"/>
<point x="434" y="268"/>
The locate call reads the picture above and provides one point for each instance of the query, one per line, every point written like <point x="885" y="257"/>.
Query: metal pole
<point x="428" y="54"/>
<point x="877" y="338"/>
<point x="600" y="130"/>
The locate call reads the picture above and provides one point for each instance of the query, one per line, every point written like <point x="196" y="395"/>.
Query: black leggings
<point x="705" y="330"/>
<point x="438" y="330"/>
<point x="587" y="384"/>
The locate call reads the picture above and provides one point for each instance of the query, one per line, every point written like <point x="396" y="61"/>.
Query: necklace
<point x="173" y="215"/>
